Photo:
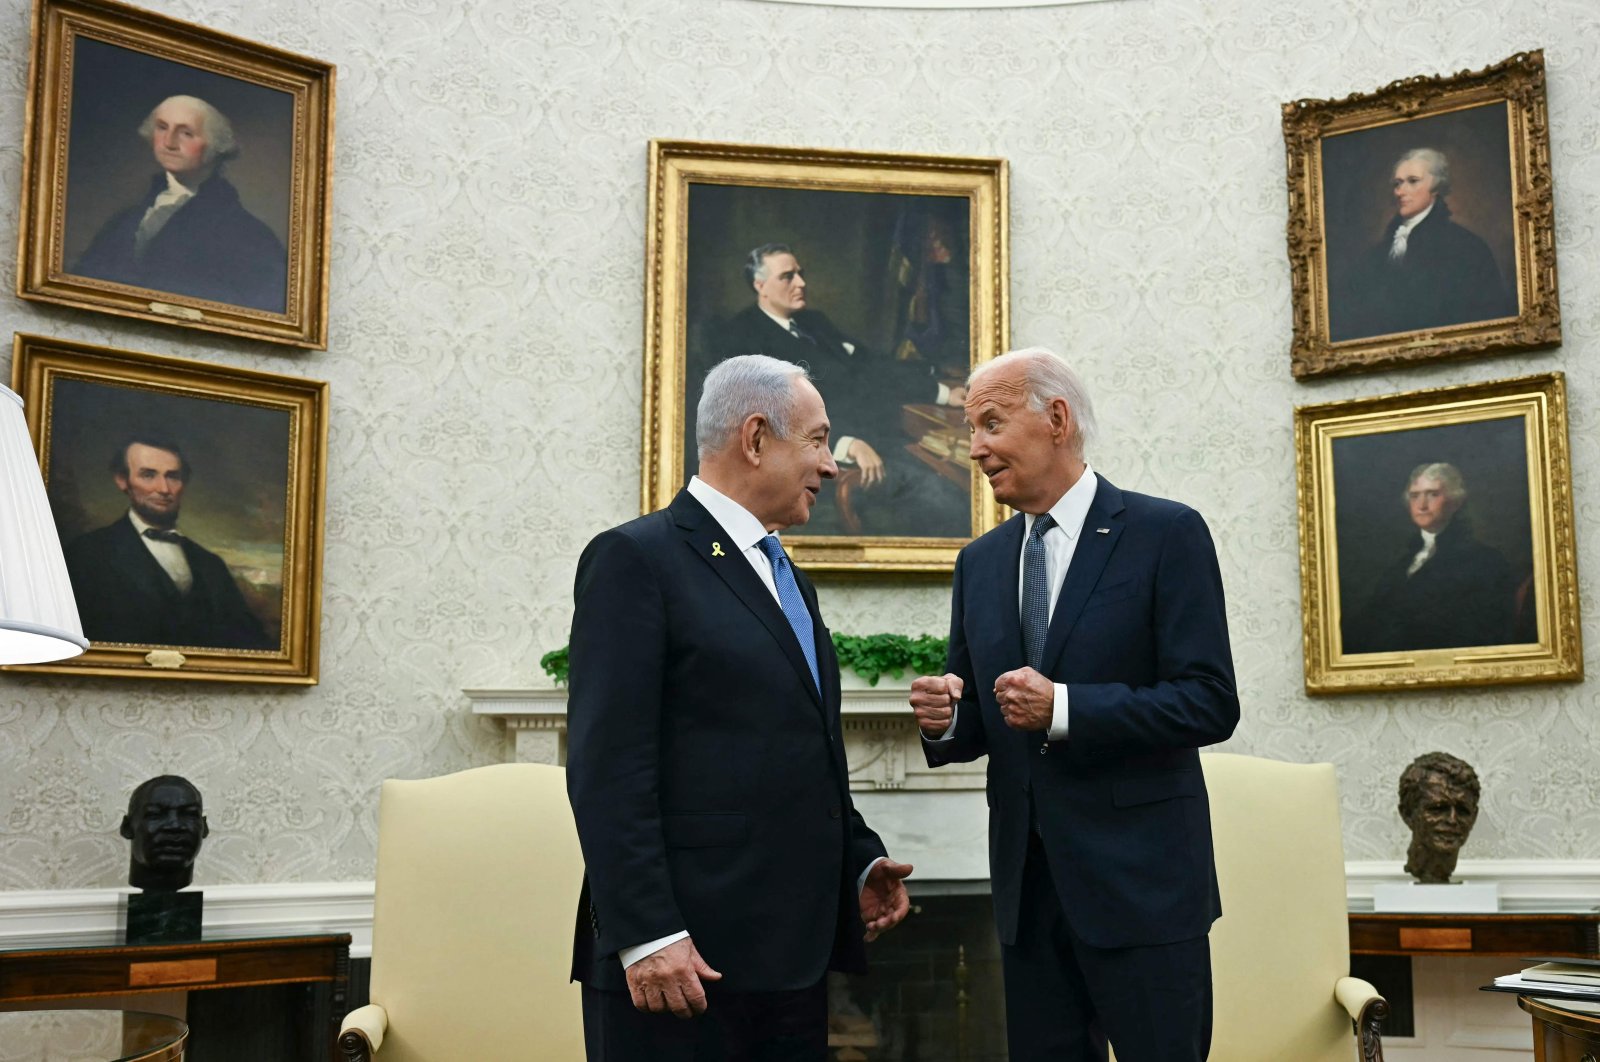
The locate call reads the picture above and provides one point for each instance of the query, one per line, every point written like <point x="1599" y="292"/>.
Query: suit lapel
<point x="142" y="566"/>
<point x="1088" y="561"/>
<point x="1004" y="568"/>
<point x="712" y="544"/>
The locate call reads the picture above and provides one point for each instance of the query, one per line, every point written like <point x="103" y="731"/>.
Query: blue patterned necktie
<point x="793" y="605"/>
<point x="1035" y="592"/>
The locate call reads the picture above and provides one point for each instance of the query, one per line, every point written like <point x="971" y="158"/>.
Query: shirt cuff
<point x="949" y="731"/>
<point x="629" y="956"/>
<point x="944" y="395"/>
<point x="1058" y="715"/>
<point x="861" y="882"/>
<point x="841" y="449"/>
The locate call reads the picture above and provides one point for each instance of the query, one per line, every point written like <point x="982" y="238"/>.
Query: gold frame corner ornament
<point x="673" y="166"/>
<point x="1556" y="654"/>
<point x="39" y="363"/>
<point x="1519" y="82"/>
<point x="41" y="269"/>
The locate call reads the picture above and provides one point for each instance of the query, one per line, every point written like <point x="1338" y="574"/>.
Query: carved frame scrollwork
<point x="1520" y="83"/>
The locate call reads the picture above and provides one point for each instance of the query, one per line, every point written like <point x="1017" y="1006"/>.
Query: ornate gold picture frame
<point x="1421" y="220"/>
<point x="894" y="286"/>
<point x="175" y="174"/>
<point x="189" y="500"/>
<point x="1436" y="538"/>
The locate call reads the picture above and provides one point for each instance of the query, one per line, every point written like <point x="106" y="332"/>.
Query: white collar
<point x="781" y="322"/>
<point x="740" y="523"/>
<point x="1428" y="538"/>
<point x="1412" y="222"/>
<point x="1072" y="508"/>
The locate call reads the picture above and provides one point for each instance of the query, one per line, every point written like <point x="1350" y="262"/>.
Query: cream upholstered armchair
<point x="1280" y="954"/>
<point x="477" y="889"/>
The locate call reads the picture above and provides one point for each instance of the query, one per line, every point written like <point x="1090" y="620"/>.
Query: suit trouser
<point x="1065" y="998"/>
<point x="736" y="1027"/>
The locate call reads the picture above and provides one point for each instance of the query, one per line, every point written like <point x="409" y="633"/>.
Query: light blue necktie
<point x="793" y="605"/>
<point x="1035" y="593"/>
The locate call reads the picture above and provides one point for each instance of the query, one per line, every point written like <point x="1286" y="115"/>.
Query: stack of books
<point x="1555" y="978"/>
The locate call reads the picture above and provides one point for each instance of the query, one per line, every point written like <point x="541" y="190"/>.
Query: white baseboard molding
<point x="1525" y="884"/>
<point x="68" y="915"/>
<point x="62" y="916"/>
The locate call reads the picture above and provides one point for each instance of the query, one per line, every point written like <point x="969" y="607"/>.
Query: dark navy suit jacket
<point x="706" y="771"/>
<point x="1140" y="637"/>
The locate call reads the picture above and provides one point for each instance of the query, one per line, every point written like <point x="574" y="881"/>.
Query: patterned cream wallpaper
<point x="489" y="206"/>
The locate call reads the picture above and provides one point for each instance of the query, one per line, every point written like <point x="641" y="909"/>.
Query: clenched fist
<point x="933" y="701"/>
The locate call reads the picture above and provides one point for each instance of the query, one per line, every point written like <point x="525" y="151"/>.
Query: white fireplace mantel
<point x="936" y="820"/>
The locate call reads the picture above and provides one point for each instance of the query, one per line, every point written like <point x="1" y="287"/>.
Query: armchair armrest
<point x="1367" y="1009"/>
<point x="362" y="1032"/>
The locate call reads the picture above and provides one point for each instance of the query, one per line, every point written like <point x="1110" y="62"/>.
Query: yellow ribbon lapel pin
<point x="716" y="550"/>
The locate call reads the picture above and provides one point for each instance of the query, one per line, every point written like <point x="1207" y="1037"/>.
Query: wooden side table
<point x="109" y="968"/>
<point x="1561" y="1034"/>
<point x="1559" y="934"/>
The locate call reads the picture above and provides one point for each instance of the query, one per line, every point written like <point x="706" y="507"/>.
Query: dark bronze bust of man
<point x="166" y="824"/>
<point x="1439" y="801"/>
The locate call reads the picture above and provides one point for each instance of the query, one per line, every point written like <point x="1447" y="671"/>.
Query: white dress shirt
<point x="1430" y="545"/>
<point x="1060" y="543"/>
<point x="1397" y="249"/>
<point x="745" y="532"/>
<point x="167" y="554"/>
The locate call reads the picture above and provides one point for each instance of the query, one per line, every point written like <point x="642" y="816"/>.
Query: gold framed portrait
<point x="885" y="275"/>
<point x="175" y="174"/>
<point x="1421" y="221"/>
<point x="1436" y="538"/>
<point x="189" y="501"/>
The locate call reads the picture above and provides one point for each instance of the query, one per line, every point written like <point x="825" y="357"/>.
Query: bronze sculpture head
<point x="1439" y="801"/>
<point x="166" y="823"/>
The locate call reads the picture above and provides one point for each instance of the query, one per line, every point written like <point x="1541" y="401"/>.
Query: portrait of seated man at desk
<point x="896" y="417"/>
<point x="1442" y="588"/>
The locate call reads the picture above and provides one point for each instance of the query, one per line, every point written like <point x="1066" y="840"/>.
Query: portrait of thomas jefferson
<point x="1442" y="588"/>
<point x="179" y="180"/>
<point x="1419" y="226"/>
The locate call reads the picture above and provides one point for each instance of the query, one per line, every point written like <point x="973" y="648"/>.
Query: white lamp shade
<point x="38" y="614"/>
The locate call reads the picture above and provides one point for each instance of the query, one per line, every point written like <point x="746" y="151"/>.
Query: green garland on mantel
<point x="869" y="655"/>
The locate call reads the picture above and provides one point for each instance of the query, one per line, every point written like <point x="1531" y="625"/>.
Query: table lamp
<point x="38" y="614"/>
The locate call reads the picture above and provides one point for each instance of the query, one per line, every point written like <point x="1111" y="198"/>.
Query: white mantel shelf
<point x="881" y="742"/>
<point x="937" y="820"/>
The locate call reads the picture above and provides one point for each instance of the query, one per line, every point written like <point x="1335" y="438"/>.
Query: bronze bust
<point x="166" y="824"/>
<point x="1439" y="801"/>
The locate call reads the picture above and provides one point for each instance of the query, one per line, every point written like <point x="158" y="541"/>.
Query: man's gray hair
<point x="1449" y="477"/>
<point x="1047" y="378"/>
<point x="220" y="141"/>
<point x="738" y="388"/>
<point x="755" y="263"/>
<point x="1437" y="165"/>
